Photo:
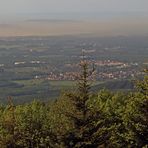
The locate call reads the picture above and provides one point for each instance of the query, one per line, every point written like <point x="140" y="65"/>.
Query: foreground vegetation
<point x="79" y="119"/>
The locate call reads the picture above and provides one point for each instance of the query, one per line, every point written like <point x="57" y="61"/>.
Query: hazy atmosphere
<point x="54" y="17"/>
<point x="73" y="73"/>
<point x="48" y="6"/>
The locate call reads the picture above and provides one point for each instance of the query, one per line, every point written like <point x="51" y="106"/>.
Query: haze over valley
<point x="51" y="26"/>
<point x="42" y="66"/>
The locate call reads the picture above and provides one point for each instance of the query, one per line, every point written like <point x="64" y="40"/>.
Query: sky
<point x="112" y="16"/>
<point x="72" y="6"/>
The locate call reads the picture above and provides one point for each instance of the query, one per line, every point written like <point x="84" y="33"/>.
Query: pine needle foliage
<point x="88" y="124"/>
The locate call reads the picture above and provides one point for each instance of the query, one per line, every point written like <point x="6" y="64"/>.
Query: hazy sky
<point x="119" y="17"/>
<point x="61" y="6"/>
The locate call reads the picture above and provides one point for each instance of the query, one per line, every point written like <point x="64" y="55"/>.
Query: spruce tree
<point x="88" y="124"/>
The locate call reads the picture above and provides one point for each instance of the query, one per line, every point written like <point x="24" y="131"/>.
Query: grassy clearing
<point x="62" y="83"/>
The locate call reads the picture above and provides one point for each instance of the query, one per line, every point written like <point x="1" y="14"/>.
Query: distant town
<point x="105" y="69"/>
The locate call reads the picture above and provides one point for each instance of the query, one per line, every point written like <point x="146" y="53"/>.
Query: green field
<point x="33" y="89"/>
<point x="41" y="89"/>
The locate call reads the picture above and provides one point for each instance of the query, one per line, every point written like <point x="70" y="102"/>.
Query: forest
<point x="79" y="118"/>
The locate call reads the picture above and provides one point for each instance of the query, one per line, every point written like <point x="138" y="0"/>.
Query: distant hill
<point x="115" y="85"/>
<point x="52" y="20"/>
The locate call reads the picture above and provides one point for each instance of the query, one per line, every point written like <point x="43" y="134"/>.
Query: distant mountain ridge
<point x="52" y="20"/>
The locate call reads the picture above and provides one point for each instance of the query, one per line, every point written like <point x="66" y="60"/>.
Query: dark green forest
<point x="79" y="118"/>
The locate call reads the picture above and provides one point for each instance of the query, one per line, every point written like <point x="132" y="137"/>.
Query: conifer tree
<point x="88" y="124"/>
